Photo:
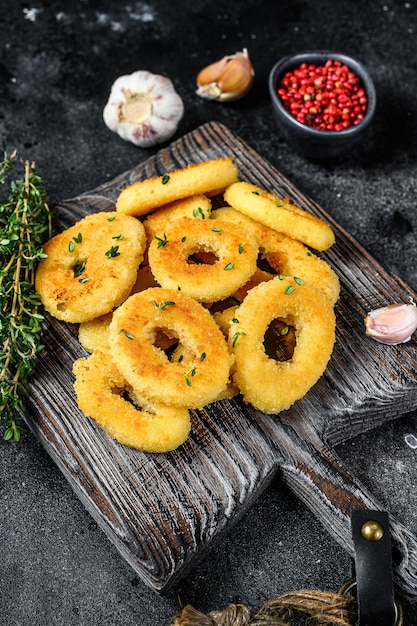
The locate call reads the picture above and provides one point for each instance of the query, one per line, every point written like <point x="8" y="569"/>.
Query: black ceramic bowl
<point x="310" y="142"/>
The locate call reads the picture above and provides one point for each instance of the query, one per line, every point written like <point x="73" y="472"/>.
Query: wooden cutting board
<point x="163" y="511"/>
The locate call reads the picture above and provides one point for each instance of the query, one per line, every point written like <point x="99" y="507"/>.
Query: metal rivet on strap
<point x="372" y="530"/>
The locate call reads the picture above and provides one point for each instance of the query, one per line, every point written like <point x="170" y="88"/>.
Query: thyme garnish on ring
<point x="163" y="304"/>
<point x="199" y="213"/>
<point x="188" y="375"/>
<point x="236" y="337"/>
<point x="113" y="252"/>
<point x="162" y="241"/>
<point x="25" y="221"/>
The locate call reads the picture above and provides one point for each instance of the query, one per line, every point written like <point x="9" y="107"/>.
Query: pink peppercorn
<point x="326" y="97"/>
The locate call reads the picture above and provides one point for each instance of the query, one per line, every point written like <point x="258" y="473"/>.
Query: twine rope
<point x="322" y="608"/>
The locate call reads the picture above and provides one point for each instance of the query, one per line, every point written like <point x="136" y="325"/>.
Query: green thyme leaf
<point x="199" y="213"/>
<point x="236" y="337"/>
<point x="112" y="252"/>
<point x="188" y="375"/>
<point x="162" y="241"/>
<point x="289" y="290"/>
<point x="162" y="305"/>
<point x="78" y="268"/>
<point x="165" y="179"/>
<point x="74" y="240"/>
<point x="229" y="266"/>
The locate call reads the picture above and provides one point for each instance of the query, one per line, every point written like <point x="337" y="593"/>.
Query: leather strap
<point x="373" y="568"/>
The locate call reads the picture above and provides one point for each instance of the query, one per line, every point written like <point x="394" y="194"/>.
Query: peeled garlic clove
<point x="212" y="72"/>
<point x="143" y="108"/>
<point x="227" y="79"/>
<point x="392" y="324"/>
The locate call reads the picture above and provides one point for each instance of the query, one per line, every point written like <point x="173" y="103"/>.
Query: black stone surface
<point x="57" y="62"/>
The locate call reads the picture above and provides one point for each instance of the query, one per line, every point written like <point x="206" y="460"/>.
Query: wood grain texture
<point x="163" y="511"/>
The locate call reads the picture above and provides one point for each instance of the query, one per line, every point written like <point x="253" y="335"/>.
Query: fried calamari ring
<point x="147" y="368"/>
<point x="91" y="267"/>
<point x="235" y="253"/>
<point x="100" y="390"/>
<point x="207" y="178"/>
<point x="283" y="255"/>
<point x="225" y="318"/>
<point x="182" y="355"/>
<point x="196" y="206"/>
<point x="280" y="214"/>
<point x="270" y="385"/>
<point x="94" y="335"/>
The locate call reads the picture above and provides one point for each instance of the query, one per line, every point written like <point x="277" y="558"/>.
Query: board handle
<point x="318" y="477"/>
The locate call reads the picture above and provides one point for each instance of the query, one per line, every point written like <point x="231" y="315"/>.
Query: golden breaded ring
<point x="224" y="318"/>
<point x="99" y="388"/>
<point x="234" y="249"/>
<point x="91" y="267"/>
<point x="280" y="214"/>
<point x="144" y="196"/>
<point x="157" y="222"/>
<point x="270" y="385"/>
<point x="183" y="355"/>
<point x="285" y="255"/>
<point x="133" y="332"/>
<point x="94" y="335"/>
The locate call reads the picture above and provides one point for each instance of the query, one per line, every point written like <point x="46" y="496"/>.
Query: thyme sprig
<point x="25" y="222"/>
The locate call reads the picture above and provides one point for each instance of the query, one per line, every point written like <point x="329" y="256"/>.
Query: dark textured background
<point x="57" y="63"/>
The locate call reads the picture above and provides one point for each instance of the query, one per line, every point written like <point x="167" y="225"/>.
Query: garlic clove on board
<point x="392" y="324"/>
<point x="143" y="108"/>
<point x="228" y="79"/>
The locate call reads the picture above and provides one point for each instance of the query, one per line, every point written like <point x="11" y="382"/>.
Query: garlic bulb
<point x="143" y="108"/>
<point x="227" y="79"/>
<point x="392" y="324"/>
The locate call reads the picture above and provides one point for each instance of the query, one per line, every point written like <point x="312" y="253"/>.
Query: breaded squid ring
<point x="91" y="267"/>
<point x="197" y="206"/>
<point x="285" y="255"/>
<point x="147" y="368"/>
<point x="270" y="385"/>
<point x="280" y="214"/>
<point x="235" y="253"/>
<point x="207" y="178"/>
<point x="94" y="335"/>
<point x="100" y="390"/>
